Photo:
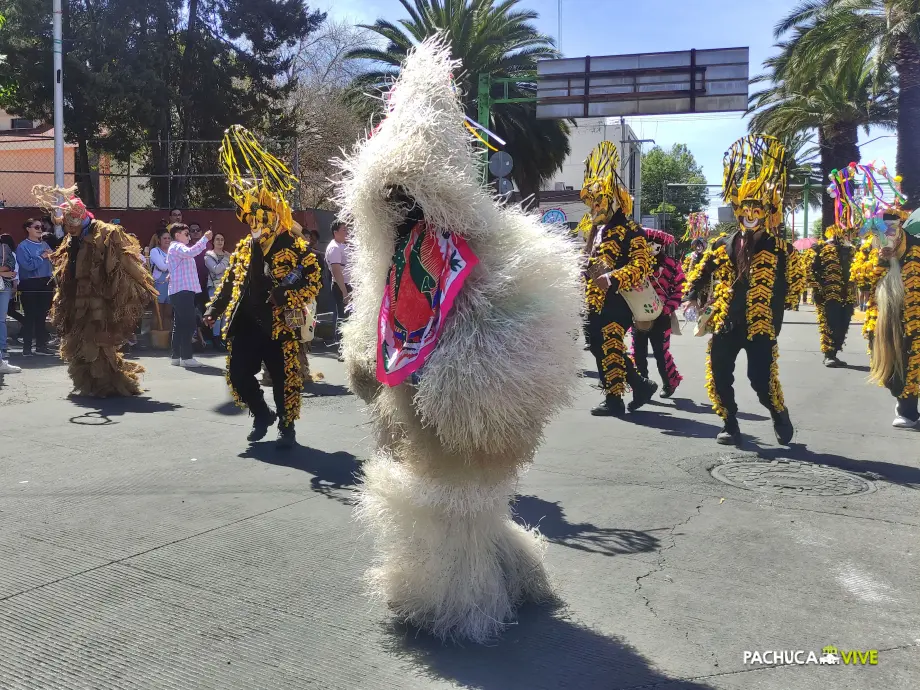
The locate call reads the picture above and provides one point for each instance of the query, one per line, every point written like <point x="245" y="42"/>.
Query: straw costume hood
<point x="461" y="340"/>
<point x="102" y="290"/>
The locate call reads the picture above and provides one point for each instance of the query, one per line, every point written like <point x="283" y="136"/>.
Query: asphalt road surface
<point x="144" y="544"/>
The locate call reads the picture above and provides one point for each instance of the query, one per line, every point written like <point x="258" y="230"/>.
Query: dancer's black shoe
<point x="782" y="427"/>
<point x="643" y="391"/>
<point x="668" y="391"/>
<point x="730" y="434"/>
<point x="611" y="407"/>
<point x="287" y="437"/>
<point x="261" y="423"/>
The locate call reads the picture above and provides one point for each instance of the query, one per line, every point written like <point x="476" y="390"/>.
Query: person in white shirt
<point x="337" y="260"/>
<point x="159" y="267"/>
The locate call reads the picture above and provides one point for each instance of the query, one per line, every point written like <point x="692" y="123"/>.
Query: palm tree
<point x="835" y="103"/>
<point x="891" y="28"/>
<point x="487" y="38"/>
<point x="804" y="161"/>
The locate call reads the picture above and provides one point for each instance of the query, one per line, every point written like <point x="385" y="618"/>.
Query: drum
<point x="308" y="330"/>
<point x="703" y="320"/>
<point x="644" y="302"/>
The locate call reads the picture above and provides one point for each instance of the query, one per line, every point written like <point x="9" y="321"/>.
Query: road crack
<point x="659" y="567"/>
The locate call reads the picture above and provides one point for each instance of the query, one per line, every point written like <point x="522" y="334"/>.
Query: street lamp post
<point x="58" y="95"/>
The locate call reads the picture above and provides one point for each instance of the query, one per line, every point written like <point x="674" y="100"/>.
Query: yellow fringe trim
<point x="911" y="277"/>
<point x="760" y="294"/>
<point x="776" y="390"/>
<point x="717" y="405"/>
<point x="614" y="364"/>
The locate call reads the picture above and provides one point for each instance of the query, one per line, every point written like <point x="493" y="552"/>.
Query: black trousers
<point x="836" y="317"/>
<point x="183" y="329"/>
<point x="250" y="346"/>
<point x="762" y="371"/>
<point x="35" y="307"/>
<point x="606" y="336"/>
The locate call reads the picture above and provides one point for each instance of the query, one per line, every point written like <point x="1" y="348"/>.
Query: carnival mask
<point x="73" y="214"/>
<point x="886" y="233"/>
<point x="654" y="248"/>
<point x="751" y="215"/>
<point x="602" y="206"/>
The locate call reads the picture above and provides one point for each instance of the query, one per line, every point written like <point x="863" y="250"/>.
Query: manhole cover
<point x="790" y="477"/>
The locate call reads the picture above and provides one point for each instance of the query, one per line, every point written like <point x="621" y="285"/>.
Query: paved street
<point x="144" y="545"/>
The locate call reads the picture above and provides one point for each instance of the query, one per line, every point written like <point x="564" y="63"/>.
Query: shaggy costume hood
<point x="507" y="343"/>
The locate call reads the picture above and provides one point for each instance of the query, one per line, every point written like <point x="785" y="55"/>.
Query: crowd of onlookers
<point x="186" y="264"/>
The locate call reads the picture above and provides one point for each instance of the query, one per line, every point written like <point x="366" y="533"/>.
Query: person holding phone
<point x="184" y="287"/>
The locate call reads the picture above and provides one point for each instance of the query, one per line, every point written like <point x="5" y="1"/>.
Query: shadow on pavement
<point x="321" y="389"/>
<point x="672" y="426"/>
<point x="207" y="370"/>
<point x="890" y="472"/>
<point x="549" y="518"/>
<point x="590" y="374"/>
<point x="230" y="409"/>
<point x="693" y="407"/>
<point x="335" y="475"/>
<point x="857" y="367"/>
<point x="542" y="650"/>
<point x="103" y="409"/>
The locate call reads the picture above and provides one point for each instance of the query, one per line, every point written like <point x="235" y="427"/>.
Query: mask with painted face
<point x="754" y="182"/>
<point x="603" y="192"/>
<point x="654" y="248"/>
<point x="751" y="215"/>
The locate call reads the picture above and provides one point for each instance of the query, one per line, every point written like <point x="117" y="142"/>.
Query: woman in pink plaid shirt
<point x="183" y="286"/>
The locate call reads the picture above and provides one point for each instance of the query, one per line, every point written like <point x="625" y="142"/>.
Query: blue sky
<point x="610" y="27"/>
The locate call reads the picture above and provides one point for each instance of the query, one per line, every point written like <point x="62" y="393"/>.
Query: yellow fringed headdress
<point x="257" y="180"/>
<point x="755" y="168"/>
<point x="602" y="179"/>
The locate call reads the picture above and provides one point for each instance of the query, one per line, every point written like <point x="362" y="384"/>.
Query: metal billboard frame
<point x="669" y="83"/>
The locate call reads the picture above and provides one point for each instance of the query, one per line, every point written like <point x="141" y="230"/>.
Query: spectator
<point x="337" y="260"/>
<point x="9" y="280"/>
<point x="217" y="261"/>
<point x="37" y="288"/>
<point x="183" y="286"/>
<point x="159" y="267"/>
<point x="201" y="300"/>
<point x="175" y="216"/>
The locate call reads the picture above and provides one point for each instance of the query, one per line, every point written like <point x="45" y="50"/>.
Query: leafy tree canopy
<point x="675" y="166"/>
<point x="141" y="73"/>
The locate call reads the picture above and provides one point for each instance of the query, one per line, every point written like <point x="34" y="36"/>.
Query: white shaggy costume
<point x="453" y="438"/>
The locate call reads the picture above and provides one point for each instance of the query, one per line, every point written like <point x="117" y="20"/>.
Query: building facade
<point x="563" y="191"/>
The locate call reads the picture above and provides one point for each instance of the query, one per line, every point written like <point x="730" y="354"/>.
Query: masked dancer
<point x="102" y="289"/>
<point x="461" y="339"/>
<point x="888" y="266"/>
<point x="266" y="291"/>
<point x="668" y="281"/>
<point x="757" y="275"/>
<point x="618" y="261"/>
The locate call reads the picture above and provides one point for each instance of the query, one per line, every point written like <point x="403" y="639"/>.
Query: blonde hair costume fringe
<point x="888" y="348"/>
<point x="436" y="494"/>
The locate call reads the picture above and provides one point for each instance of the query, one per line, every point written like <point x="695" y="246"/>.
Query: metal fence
<point x="171" y="174"/>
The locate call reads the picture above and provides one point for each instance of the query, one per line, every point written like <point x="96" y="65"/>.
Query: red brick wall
<point x="144" y="223"/>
